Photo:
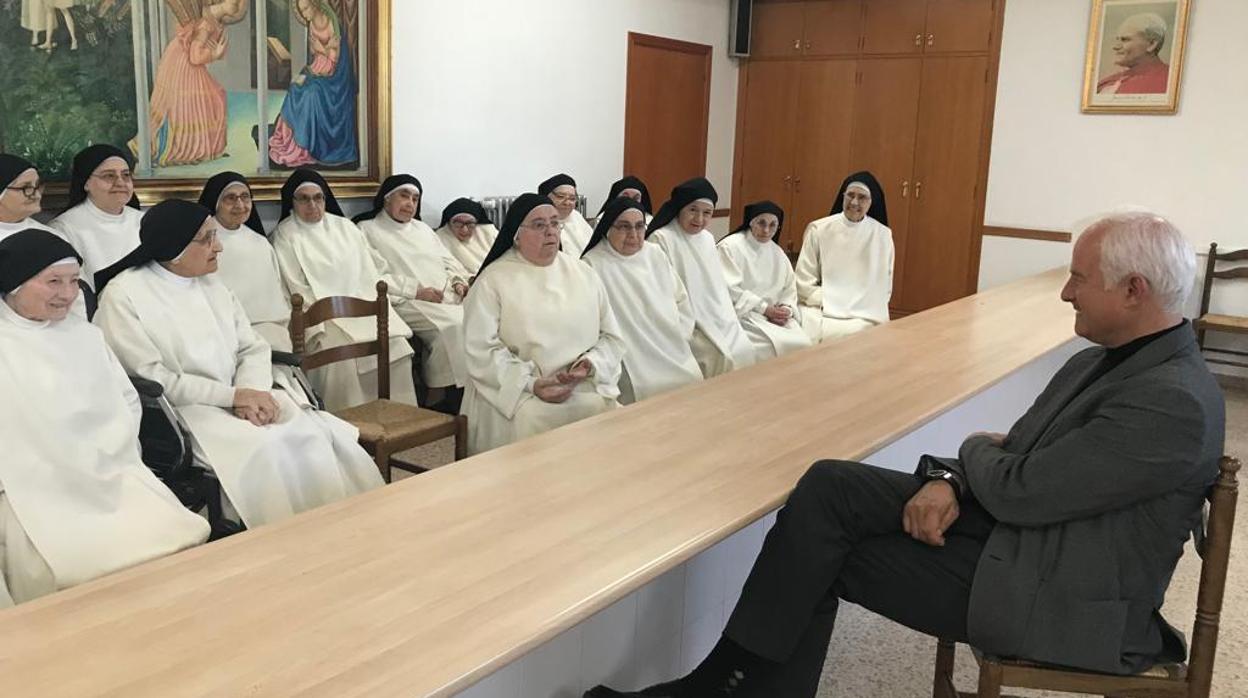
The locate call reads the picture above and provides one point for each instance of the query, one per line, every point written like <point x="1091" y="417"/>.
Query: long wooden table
<point x="429" y="584"/>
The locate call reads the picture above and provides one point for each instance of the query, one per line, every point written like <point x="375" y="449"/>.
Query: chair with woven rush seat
<point x="386" y="427"/>
<point x="1181" y="680"/>
<point x="1207" y="321"/>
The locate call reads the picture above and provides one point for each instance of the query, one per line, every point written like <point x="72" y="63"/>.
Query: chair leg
<point x="989" y="679"/>
<point x="382" y="458"/>
<point x="942" y="682"/>
<point x="461" y="437"/>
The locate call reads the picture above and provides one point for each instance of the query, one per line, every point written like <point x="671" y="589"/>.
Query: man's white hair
<point x="1143" y="243"/>
<point x="1150" y="24"/>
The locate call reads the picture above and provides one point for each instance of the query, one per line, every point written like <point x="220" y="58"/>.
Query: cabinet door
<point x="832" y="27"/>
<point x="959" y="25"/>
<point x="947" y="156"/>
<point x="886" y="112"/>
<point x="825" y="121"/>
<point x="894" y="26"/>
<point x="768" y="136"/>
<point x="777" y="30"/>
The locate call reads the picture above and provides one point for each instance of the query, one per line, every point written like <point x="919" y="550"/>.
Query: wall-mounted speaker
<point x="739" y="29"/>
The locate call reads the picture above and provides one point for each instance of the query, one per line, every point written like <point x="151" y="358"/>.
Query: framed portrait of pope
<point x="190" y="88"/>
<point x="1134" y="62"/>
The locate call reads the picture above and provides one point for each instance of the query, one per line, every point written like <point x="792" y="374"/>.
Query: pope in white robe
<point x="102" y="221"/>
<point x="543" y="346"/>
<point x="649" y="302"/>
<point x="322" y="254"/>
<point x="467" y="232"/>
<point x="845" y="270"/>
<point x="761" y="283"/>
<point x="76" y="500"/>
<point x="679" y="228"/>
<point x="575" y="230"/>
<point x="170" y="320"/>
<point x="411" y="249"/>
<point x="248" y="264"/>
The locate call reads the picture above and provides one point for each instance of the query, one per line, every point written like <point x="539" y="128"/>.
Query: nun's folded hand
<point x="256" y="406"/>
<point x="777" y="314"/>
<point x="552" y="389"/>
<point x="461" y="289"/>
<point x="432" y="295"/>
<point x="580" y="369"/>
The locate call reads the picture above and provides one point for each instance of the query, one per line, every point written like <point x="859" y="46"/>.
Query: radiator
<point x="496" y="207"/>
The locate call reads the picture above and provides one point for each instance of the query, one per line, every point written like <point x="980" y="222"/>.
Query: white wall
<point x="1052" y="165"/>
<point x="493" y="96"/>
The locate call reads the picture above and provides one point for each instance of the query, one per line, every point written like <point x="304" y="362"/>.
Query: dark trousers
<point x="840" y="536"/>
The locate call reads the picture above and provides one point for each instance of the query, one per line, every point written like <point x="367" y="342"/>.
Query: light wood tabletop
<point x="427" y="585"/>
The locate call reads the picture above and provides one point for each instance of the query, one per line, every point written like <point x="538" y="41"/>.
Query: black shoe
<point x="660" y="691"/>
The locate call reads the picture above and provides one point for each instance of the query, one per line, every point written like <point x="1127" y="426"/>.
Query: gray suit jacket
<point x="1095" y="491"/>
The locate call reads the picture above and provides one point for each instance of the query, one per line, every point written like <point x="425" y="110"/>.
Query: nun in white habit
<point x="322" y="254"/>
<point x="845" y="271"/>
<point x="21" y="197"/>
<point x="543" y="346"/>
<point x="248" y="264"/>
<point x="761" y="282"/>
<point x="719" y="342"/>
<point x="467" y="232"/>
<point x="170" y="320"/>
<point x="629" y="187"/>
<point x="576" y="231"/>
<point x="649" y="302"/>
<point x="76" y="501"/>
<point x="102" y="221"/>
<point x="413" y="250"/>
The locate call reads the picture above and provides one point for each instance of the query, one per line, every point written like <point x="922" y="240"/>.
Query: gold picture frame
<point x="1134" y="61"/>
<point x="285" y="71"/>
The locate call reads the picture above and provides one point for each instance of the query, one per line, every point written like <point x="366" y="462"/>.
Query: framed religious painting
<point x="194" y="87"/>
<point x="1134" y="62"/>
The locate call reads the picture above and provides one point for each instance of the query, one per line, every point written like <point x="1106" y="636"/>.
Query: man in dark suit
<point x="1054" y="543"/>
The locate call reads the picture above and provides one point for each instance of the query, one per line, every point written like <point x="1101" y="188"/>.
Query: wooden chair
<point x="1236" y="324"/>
<point x="1186" y="680"/>
<point x="386" y="427"/>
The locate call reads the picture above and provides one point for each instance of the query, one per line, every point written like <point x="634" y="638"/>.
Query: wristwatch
<point x="947" y="476"/>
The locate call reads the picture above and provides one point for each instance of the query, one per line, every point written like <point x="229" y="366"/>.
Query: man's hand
<point x="256" y="406"/>
<point x="996" y="437"/>
<point x="930" y="512"/>
<point x="431" y="295"/>
<point x="778" y="314"/>
<point x="551" y="389"/>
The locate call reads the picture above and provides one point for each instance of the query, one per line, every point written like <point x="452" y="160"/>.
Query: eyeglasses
<point x="314" y="199"/>
<point x="463" y="225"/>
<point x="232" y="199"/>
<point x="639" y="228"/>
<point x="761" y="225"/>
<point x="206" y="240"/>
<point x="544" y="227"/>
<point x="30" y="191"/>
<point x="563" y="198"/>
<point x="114" y="177"/>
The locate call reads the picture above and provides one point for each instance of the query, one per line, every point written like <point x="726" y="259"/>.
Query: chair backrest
<point x="1212" y="272"/>
<point x="335" y="307"/>
<point x="1215" y="553"/>
<point x="89" y="299"/>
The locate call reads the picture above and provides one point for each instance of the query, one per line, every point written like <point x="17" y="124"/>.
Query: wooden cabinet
<point x="815" y="28"/>
<point x="903" y="88"/>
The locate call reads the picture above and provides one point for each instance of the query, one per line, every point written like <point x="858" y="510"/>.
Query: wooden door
<point x="943" y="229"/>
<point x="886" y="113"/>
<point x="894" y="26"/>
<point x="832" y="27"/>
<point x="666" y="77"/>
<point x="825" y="123"/>
<point x="777" y="31"/>
<point x="768" y="134"/>
<point x="959" y="25"/>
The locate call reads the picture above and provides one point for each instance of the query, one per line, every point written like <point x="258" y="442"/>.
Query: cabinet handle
<point x="931" y="39"/>
<point x="788" y="180"/>
<point x="905" y="188"/>
<point x="797" y="183"/>
<point x="807" y="45"/>
<point x="918" y="39"/>
<point x="918" y="191"/>
<point x="797" y="44"/>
